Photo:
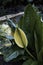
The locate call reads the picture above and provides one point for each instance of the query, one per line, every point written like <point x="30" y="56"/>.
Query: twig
<point x="11" y="16"/>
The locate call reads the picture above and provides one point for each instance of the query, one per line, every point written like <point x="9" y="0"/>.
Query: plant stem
<point x="24" y="46"/>
<point x="29" y="53"/>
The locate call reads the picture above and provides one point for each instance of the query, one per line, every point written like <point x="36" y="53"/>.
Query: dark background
<point x="15" y="6"/>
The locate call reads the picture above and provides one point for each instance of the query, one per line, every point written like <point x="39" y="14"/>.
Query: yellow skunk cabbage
<point x="20" y="38"/>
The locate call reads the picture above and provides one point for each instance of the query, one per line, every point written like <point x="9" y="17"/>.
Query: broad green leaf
<point x="42" y="32"/>
<point x="40" y="63"/>
<point x="31" y="22"/>
<point x="41" y="55"/>
<point x="27" y="24"/>
<point x="20" y="38"/>
<point x="38" y="29"/>
<point x="28" y="62"/>
<point x="36" y="45"/>
<point x="35" y="63"/>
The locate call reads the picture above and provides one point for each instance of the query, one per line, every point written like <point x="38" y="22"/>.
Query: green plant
<point x="31" y="24"/>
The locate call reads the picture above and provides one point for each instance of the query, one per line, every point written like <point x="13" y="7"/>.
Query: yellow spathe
<point x="20" y="38"/>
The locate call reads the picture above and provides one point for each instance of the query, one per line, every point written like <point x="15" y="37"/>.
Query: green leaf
<point x="42" y="32"/>
<point x="28" y="62"/>
<point x="35" y="63"/>
<point x="39" y="33"/>
<point x="27" y="23"/>
<point x="36" y="45"/>
<point x="38" y="29"/>
<point x="41" y="55"/>
<point x="39" y="50"/>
